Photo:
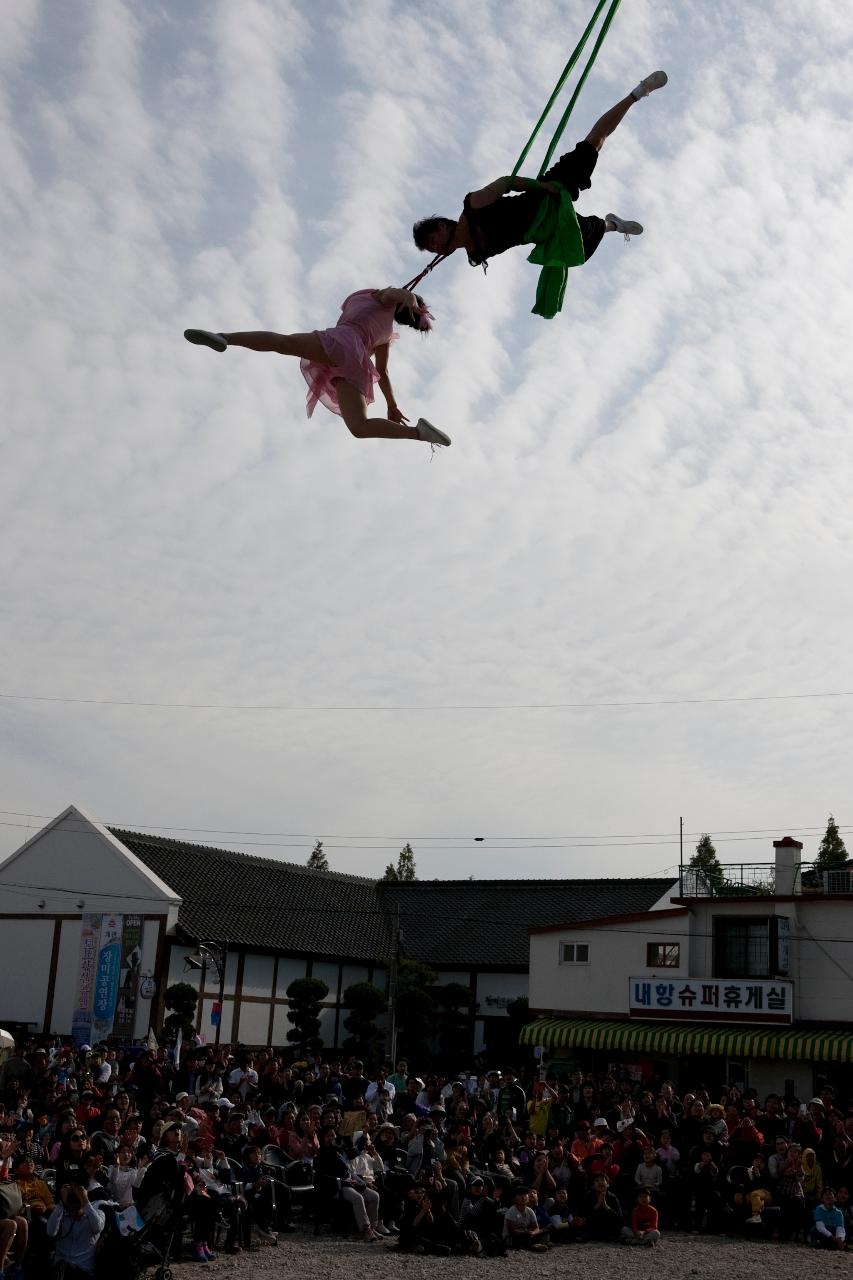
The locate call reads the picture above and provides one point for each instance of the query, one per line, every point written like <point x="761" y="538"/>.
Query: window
<point x="741" y="948"/>
<point x="663" y="955"/>
<point x="574" y="953"/>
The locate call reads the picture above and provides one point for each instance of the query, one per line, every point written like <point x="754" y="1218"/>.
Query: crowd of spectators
<point x="478" y="1163"/>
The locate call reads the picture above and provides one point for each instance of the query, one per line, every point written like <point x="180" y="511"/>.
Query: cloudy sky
<point x="647" y="501"/>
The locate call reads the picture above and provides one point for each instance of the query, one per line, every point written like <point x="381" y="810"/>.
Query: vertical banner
<point x="129" y="969"/>
<point x="106" y="977"/>
<point x="90" y="932"/>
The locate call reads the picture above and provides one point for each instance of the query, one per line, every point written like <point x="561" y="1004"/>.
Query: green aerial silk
<point x="557" y="237"/>
<point x="549" y="286"/>
<point x="555" y="230"/>
<point x="567" y="70"/>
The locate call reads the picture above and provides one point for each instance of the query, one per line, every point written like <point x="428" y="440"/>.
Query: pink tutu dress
<point x="363" y="326"/>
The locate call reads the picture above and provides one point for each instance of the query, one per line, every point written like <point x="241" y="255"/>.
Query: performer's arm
<point x="380" y="356"/>
<point x="502" y="186"/>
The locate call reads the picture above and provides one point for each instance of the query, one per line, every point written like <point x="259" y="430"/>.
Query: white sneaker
<point x="624" y="225"/>
<point x="656" y="80"/>
<point x="266" y="1234"/>
<point x="204" y="338"/>
<point x="381" y="1229"/>
<point x="427" y="431"/>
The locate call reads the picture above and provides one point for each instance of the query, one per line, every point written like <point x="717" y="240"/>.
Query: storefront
<point x="792" y="1060"/>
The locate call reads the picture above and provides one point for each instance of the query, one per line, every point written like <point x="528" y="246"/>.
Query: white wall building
<point x="96" y="923"/>
<point x="746" y="978"/>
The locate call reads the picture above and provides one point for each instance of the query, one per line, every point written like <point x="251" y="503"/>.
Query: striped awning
<point x="674" y="1039"/>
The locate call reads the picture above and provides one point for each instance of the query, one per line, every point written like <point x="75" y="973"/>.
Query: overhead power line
<point x="153" y="704"/>
<point x="477" y="845"/>
<point x="502" y="843"/>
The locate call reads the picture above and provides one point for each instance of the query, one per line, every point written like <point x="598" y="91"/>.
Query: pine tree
<point x="317" y="860"/>
<point x="705" y="860"/>
<point x="405" y="868"/>
<point x="305" y="996"/>
<point x="832" y="851"/>
<point x="406" y="863"/>
<point x="455" y="1021"/>
<point x="416" y="1007"/>
<point x="182" y="999"/>
<point x="365" y="1003"/>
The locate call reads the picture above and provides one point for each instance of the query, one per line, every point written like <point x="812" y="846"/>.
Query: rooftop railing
<point x="758" y="879"/>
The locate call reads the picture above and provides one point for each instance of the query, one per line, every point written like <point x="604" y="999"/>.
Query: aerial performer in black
<point x="493" y="220"/>
<point x="342" y="364"/>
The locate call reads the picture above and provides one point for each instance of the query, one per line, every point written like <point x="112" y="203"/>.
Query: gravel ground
<point x="678" y="1257"/>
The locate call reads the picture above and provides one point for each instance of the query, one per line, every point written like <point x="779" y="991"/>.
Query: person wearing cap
<point x="425" y="1149"/>
<point x="521" y="1226"/>
<point x="76" y="1224"/>
<point x="406" y="1101"/>
<point x="479" y="1213"/>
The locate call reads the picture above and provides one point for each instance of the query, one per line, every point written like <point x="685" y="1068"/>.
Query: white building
<point x="97" y="922"/>
<point x="743" y="978"/>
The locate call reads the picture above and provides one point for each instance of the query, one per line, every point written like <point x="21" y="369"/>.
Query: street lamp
<point x="213" y="953"/>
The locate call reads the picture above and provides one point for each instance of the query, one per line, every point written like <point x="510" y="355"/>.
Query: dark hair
<point x="426" y="226"/>
<point x="421" y="320"/>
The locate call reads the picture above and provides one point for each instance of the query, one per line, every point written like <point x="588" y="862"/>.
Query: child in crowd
<point x="521" y="1226"/>
<point x="828" y="1231"/>
<point x="644" y="1221"/>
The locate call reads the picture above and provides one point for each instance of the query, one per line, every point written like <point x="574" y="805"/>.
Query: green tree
<point x="832" y="851"/>
<point x="416" y="1007"/>
<point x="305" y="996"/>
<point x="182" y="999"/>
<point x="365" y="1003"/>
<point x="456" y="1003"/>
<point x="705" y="860"/>
<point x="317" y="860"/>
<point x="405" y="868"/>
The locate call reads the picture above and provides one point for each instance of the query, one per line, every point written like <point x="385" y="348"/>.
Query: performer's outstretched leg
<point x="353" y="408"/>
<point x="613" y="118"/>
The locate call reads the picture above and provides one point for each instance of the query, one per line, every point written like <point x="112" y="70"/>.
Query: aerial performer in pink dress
<point x="342" y="364"/>
<point x="493" y="220"/>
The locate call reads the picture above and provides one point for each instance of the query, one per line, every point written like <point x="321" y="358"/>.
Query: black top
<point x="502" y="225"/>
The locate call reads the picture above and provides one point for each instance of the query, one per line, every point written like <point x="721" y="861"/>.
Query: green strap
<point x="567" y="70"/>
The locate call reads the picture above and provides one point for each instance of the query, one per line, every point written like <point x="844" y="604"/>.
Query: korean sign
<point x="716" y="1000"/>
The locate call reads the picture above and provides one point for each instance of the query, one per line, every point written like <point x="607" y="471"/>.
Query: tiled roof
<point x="265" y="903"/>
<point x="453" y="924"/>
<point x="459" y="923"/>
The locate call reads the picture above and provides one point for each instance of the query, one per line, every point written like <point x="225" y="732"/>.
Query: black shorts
<point x="574" y="170"/>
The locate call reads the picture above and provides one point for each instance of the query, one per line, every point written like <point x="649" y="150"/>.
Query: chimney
<point x="788" y="858"/>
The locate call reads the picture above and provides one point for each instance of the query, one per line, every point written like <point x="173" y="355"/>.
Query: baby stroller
<point x="149" y="1234"/>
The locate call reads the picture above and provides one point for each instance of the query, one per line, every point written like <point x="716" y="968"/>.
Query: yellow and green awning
<point x="675" y="1039"/>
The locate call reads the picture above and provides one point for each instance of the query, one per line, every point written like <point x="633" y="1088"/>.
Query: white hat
<point x="599" y="1122"/>
<point x="87" y="1048"/>
<point x="224" y="1102"/>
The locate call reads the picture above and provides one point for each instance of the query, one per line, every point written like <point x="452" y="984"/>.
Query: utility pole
<point x="203" y="980"/>
<point x="223" y="953"/>
<point x="391" y="1037"/>
<point x="680" y="855"/>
